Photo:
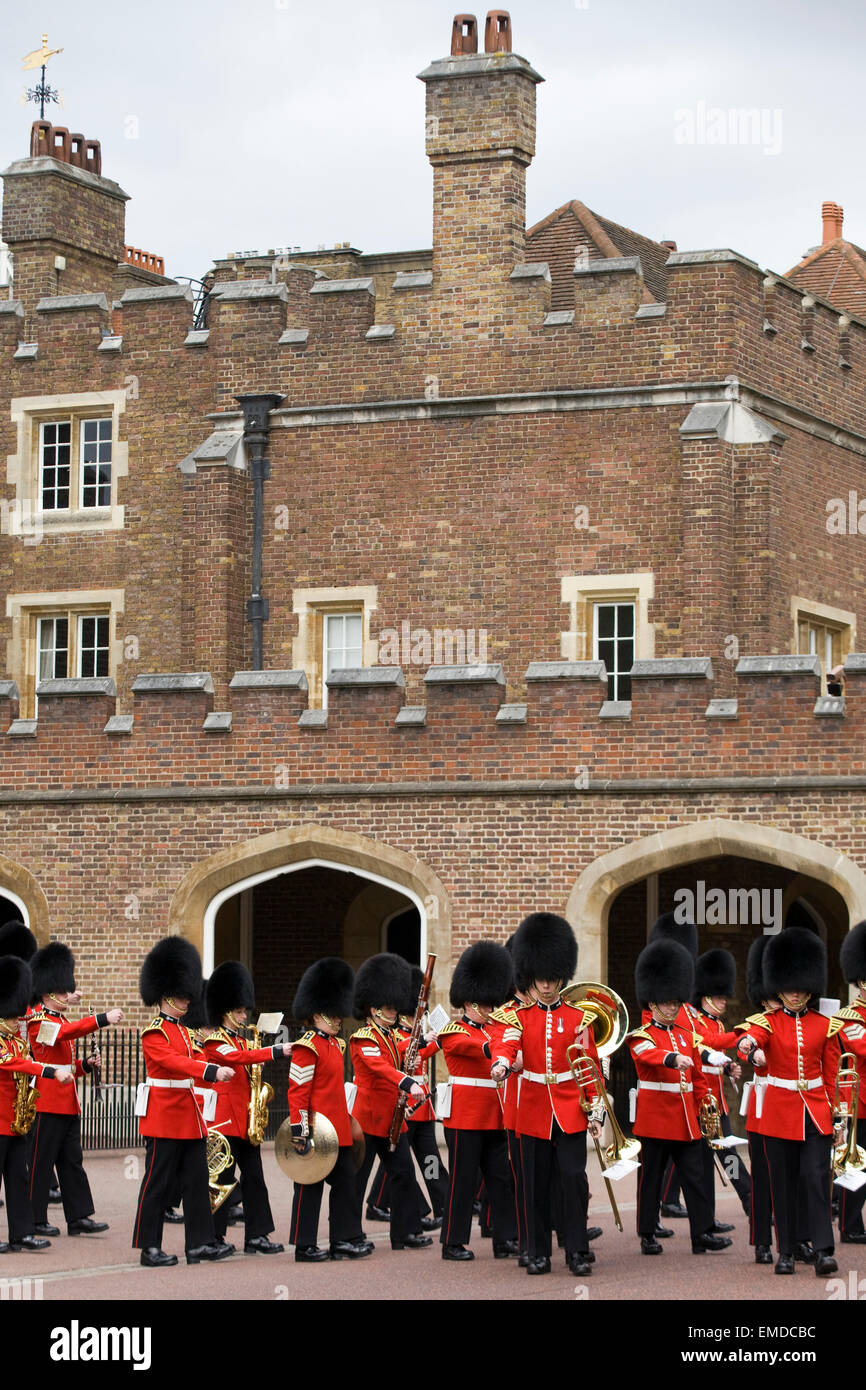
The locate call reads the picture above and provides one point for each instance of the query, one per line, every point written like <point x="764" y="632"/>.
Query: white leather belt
<point x="547" y="1078"/>
<point x="712" y="1071"/>
<point x="184" y="1084"/>
<point x="789" y="1084"/>
<point x="664" y="1086"/>
<point x="473" y="1081"/>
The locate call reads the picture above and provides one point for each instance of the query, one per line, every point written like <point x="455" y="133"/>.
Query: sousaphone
<point x="317" y="1163"/>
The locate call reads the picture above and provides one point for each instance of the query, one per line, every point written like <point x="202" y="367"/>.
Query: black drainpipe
<point x="256" y="430"/>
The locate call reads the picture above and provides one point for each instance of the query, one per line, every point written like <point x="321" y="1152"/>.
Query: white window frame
<point x="25" y="612"/>
<point x="24" y="513"/>
<point x="583" y="591"/>
<point x="835" y="620"/>
<point x="312" y="607"/>
<point x="614" y="675"/>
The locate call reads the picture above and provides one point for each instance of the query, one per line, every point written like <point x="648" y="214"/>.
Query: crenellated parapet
<point x="564" y="730"/>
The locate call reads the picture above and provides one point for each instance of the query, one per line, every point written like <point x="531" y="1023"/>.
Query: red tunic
<point x="13" y="1061"/>
<point x="511" y="1090"/>
<point x="229" y="1049"/>
<point x="802" y="1052"/>
<point x="172" y="1054"/>
<point x="316" y="1084"/>
<point x="476" y="1100"/>
<point x="376" y="1056"/>
<point x="852" y="1038"/>
<point x="548" y="1091"/>
<point x="55" y="1098"/>
<point x="668" y="1099"/>
<point x="421" y="1073"/>
<point x="715" y="1039"/>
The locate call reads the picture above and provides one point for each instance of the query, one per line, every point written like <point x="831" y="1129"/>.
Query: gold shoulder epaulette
<point x="507" y="1014"/>
<point x="211" y="1037"/>
<point x="341" y="1043"/>
<point x="35" y="1017"/>
<point x="455" y="1027"/>
<point x="849" y="1015"/>
<point x="640" y="1033"/>
<point x="836" y="1026"/>
<point x="759" y="1020"/>
<point x="365" y="1034"/>
<point x="306" y="1040"/>
<point x="155" y="1026"/>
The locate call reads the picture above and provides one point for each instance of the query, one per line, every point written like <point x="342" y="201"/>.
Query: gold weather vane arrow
<point x="39" y="57"/>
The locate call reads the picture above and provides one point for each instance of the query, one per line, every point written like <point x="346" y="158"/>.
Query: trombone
<point x="847" y="1156"/>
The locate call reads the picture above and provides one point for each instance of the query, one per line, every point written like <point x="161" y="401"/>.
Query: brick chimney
<point x="480" y="139"/>
<point x="831" y="217"/>
<point x="63" y="222"/>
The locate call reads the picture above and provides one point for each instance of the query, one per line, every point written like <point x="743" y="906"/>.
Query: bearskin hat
<point x="17" y="940"/>
<point x="16" y="986"/>
<point x="53" y="970"/>
<point x="852" y="957"/>
<point x="520" y="983"/>
<point x="410" y="1003"/>
<point x="172" y="968"/>
<point x="796" y="959"/>
<point x="664" y="971"/>
<point x="669" y="928"/>
<point x="755" y="987"/>
<point x="484" y="974"/>
<point x="196" y="1014"/>
<point x="229" y="987"/>
<point x="545" y="948"/>
<point x="715" y="973"/>
<point x="325" y="988"/>
<point x="382" y="982"/>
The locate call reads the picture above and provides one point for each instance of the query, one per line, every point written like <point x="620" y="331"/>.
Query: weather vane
<point x="43" y="93"/>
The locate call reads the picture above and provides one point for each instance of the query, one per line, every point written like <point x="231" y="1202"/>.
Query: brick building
<point x="373" y="601"/>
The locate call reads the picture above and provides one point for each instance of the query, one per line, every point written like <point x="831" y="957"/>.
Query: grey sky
<point x="288" y="123"/>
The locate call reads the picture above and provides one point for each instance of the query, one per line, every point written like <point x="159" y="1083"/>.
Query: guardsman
<point x="670" y="1088"/>
<point x="852" y="1038"/>
<point x="17" y="1108"/>
<point x="715" y="984"/>
<point x="229" y="997"/>
<point x="800" y="1048"/>
<point x="510" y="1094"/>
<point x="552" y="1109"/>
<point x="172" y="1122"/>
<point x="55" y="1139"/>
<point x="317" y="1087"/>
<point x="381" y="987"/>
<point x="760" y="1221"/>
<point x="668" y="927"/>
<point x="474" y="1126"/>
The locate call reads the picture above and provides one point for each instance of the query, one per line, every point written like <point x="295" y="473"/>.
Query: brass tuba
<point x="848" y="1156"/>
<point x="219" y="1157"/>
<point x="261" y="1095"/>
<point x="605" y="1011"/>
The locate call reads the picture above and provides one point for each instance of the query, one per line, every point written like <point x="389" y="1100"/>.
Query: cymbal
<point x="315" y="1165"/>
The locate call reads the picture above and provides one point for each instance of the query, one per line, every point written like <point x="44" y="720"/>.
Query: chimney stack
<point x="831" y="215"/>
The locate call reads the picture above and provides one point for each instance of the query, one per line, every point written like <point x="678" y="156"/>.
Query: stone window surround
<point x="311" y="605"/>
<point x="24" y="609"/>
<point x="582" y="591"/>
<point x="22" y="467"/>
<point x="804" y="610"/>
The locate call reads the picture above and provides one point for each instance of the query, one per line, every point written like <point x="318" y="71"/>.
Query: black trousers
<point x="560" y="1158"/>
<point x="800" y="1171"/>
<point x="344" y="1211"/>
<point x="516" y="1166"/>
<point x="56" y="1140"/>
<point x="422" y="1142"/>
<point x="851" y="1203"/>
<point x="405" y="1213"/>
<point x="688" y="1160"/>
<point x="761" y="1219"/>
<point x="734" y="1169"/>
<point x="258" y="1220"/>
<point x="468" y="1151"/>
<point x="13" y="1170"/>
<point x="172" y="1165"/>
<point x="671" y="1194"/>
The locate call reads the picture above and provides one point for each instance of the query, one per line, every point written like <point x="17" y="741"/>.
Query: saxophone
<point x="261" y="1095"/>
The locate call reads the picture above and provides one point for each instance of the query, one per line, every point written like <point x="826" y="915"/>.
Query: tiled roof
<point x="573" y="227"/>
<point x="835" y="271"/>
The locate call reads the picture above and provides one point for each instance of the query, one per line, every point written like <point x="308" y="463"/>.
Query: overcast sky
<point x="249" y="124"/>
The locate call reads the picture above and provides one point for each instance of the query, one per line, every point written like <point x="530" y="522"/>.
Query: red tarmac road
<point x="105" y="1266"/>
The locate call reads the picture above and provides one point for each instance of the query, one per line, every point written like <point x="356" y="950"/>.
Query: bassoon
<point x="410" y="1056"/>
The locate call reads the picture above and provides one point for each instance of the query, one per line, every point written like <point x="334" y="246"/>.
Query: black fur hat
<point x="755" y="987"/>
<point x="17" y="940"/>
<point x="545" y="948"/>
<point x="325" y="988"/>
<point x="229" y="987"/>
<point x="669" y="928"/>
<point x="53" y="970"/>
<point x="715" y="973"/>
<point x="410" y="1003"/>
<point x="664" y="971"/>
<point x="382" y="982"/>
<point x="15" y="987"/>
<point x="484" y="974"/>
<point x="171" y="969"/>
<point x="196" y="1014"/>
<point x="852" y="956"/>
<point x="796" y="959"/>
